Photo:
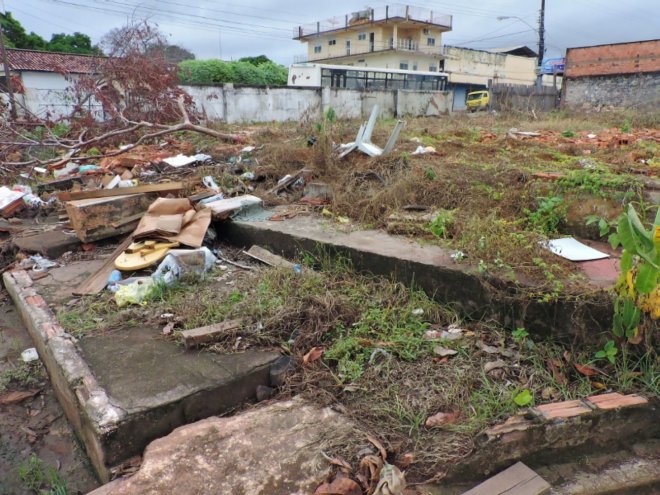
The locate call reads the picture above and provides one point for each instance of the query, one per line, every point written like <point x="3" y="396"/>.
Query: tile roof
<point x="33" y="60"/>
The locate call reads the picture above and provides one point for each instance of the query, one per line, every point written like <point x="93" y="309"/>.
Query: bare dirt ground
<point x="38" y="450"/>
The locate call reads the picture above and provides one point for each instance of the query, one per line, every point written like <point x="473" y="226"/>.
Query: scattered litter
<point x="421" y="150"/>
<point x="516" y="134"/>
<point x="135" y="292"/>
<point x="244" y="208"/>
<point x="591" y="136"/>
<point x="488" y="349"/>
<point x="114" y="182"/>
<point x="211" y="199"/>
<point x="265" y="256"/>
<point x="29" y="355"/>
<point x="167" y="329"/>
<point x="209" y="182"/>
<point x="181" y="160"/>
<point x="392" y="481"/>
<point x="248" y="149"/>
<point x="113" y="279"/>
<point x="41" y="263"/>
<point x="418" y="311"/>
<point x="363" y="140"/>
<point x="458" y="256"/>
<point x="184" y="263"/>
<point x="573" y="250"/>
<point x="441" y="418"/>
<point x="10" y="201"/>
<point x="415" y="140"/>
<point x="248" y="176"/>
<point x="314" y="354"/>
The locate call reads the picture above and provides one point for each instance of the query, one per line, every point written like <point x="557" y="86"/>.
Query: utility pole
<point x="541" y="41"/>
<point x="5" y="64"/>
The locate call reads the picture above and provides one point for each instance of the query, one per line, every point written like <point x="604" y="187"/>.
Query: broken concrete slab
<point x="121" y="391"/>
<point x="432" y="269"/>
<point x="51" y="243"/>
<point x="272" y="450"/>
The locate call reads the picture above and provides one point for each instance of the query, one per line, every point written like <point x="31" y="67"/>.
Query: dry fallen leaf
<point x="489" y="349"/>
<point x="379" y="446"/>
<point x="313" y="355"/>
<point x="336" y="461"/>
<point x="442" y="418"/>
<point x="598" y="385"/>
<point x="441" y="360"/>
<point x="17" y="396"/>
<point x="554" y="367"/>
<point x="586" y="370"/>
<point x="406" y="460"/>
<point x="341" y="485"/>
<point x="443" y="351"/>
<point x="493" y="365"/>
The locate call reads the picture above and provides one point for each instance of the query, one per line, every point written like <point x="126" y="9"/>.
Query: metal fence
<point x="369" y="15"/>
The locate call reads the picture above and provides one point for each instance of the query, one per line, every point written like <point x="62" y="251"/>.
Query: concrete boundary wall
<point x="265" y="104"/>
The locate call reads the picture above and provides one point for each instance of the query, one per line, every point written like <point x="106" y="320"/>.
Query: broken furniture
<point x="363" y="140"/>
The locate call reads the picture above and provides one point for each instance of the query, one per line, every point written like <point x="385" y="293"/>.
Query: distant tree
<point x="15" y="35"/>
<point x="172" y="53"/>
<point x="258" y="60"/>
<point x="240" y="72"/>
<point x="73" y="43"/>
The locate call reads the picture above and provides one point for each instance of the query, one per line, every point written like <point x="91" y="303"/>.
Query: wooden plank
<point x="96" y="282"/>
<point x="516" y="480"/>
<point x="99" y="218"/>
<point x="265" y="256"/>
<point x="202" y="335"/>
<point x="121" y="191"/>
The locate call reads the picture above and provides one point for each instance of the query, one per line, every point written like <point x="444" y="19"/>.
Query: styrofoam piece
<point x="574" y="250"/>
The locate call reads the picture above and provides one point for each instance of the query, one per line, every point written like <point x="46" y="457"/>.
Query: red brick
<point x="621" y="58"/>
<point x="616" y="400"/>
<point x="52" y="329"/>
<point x="35" y="300"/>
<point x="566" y="409"/>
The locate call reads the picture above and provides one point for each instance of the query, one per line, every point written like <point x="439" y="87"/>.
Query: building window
<point x="433" y="68"/>
<point x="414" y="66"/>
<point x="362" y="36"/>
<point x="332" y="42"/>
<point x="426" y="31"/>
<point x="403" y="65"/>
<point x="430" y="41"/>
<point x="317" y="49"/>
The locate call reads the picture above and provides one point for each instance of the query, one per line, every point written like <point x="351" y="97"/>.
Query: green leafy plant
<point x="430" y="174"/>
<point x="523" y="398"/>
<point x="568" y="134"/>
<point x="519" y="334"/>
<point x="441" y="226"/>
<point x="549" y="213"/>
<point x="41" y="478"/>
<point x="609" y="352"/>
<point x="626" y="126"/>
<point x="640" y="270"/>
<point x="604" y="226"/>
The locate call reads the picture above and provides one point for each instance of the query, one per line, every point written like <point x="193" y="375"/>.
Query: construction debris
<point x="363" y="139"/>
<point x="265" y="256"/>
<point x="204" y="335"/>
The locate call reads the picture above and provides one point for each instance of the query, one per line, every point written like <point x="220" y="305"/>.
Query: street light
<point x="540" y="30"/>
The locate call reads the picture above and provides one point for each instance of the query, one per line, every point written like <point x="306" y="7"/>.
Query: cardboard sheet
<point x="174" y="220"/>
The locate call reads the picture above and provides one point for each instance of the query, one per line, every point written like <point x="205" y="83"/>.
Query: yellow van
<point x="477" y="100"/>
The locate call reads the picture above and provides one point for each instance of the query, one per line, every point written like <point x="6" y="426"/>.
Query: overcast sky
<point x="213" y="29"/>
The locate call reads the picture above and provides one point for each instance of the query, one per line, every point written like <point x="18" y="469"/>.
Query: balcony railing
<point x="369" y="15"/>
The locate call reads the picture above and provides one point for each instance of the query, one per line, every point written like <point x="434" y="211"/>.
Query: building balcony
<point x="378" y="15"/>
<point x="401" y="45"/>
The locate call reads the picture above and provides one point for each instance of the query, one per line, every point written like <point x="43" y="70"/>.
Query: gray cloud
<point x="212" y="28"/>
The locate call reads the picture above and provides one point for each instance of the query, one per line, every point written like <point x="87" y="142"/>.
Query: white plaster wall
<point x="47" y="96"/>
<point x="261" y="104"/>
<point x="209" y="101"/>
<point x="423" y="103"/>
